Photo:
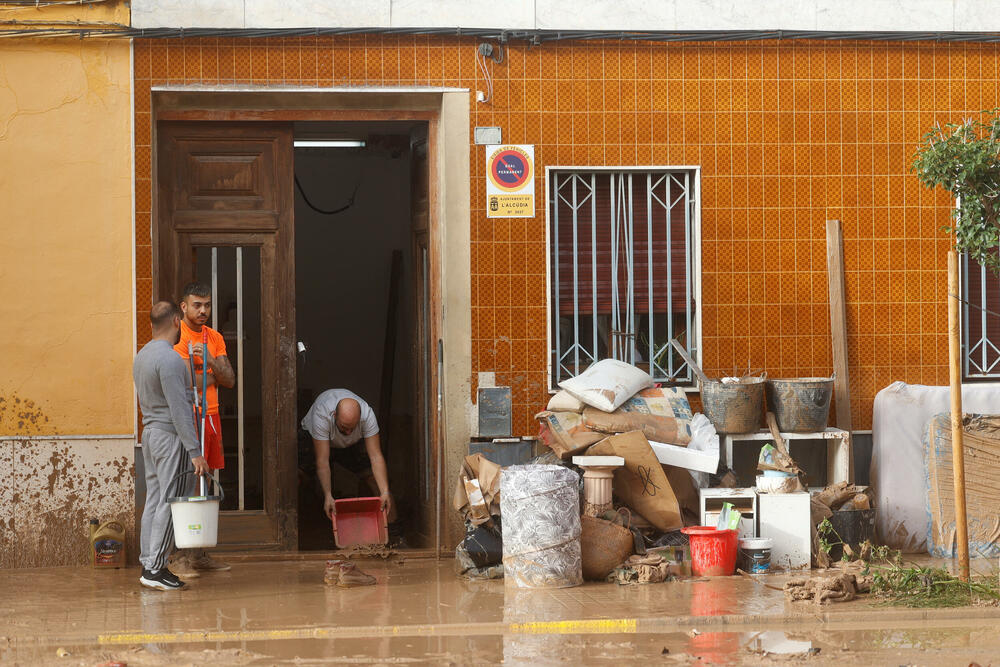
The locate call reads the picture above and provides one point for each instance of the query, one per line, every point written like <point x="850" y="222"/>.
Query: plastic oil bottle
<point x="107" y="544"/>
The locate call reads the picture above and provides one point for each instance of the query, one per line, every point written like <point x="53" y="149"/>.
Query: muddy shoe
<point x="351" y="576"/>
<point x="181" y="566"/>
<point x="206" y="563"/>
<point x="332" y="573"/>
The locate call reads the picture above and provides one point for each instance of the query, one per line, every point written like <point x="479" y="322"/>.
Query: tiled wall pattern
<point x="787" y="134"/>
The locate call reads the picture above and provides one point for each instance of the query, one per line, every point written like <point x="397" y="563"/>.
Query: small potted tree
<point x="964" y="159"/>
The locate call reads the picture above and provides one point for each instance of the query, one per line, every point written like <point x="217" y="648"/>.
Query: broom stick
<point x="204" y="398"/>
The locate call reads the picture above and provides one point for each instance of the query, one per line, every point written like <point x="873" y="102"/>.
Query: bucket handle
<point x="222" y="493"/>
<point x="113" y="523"/>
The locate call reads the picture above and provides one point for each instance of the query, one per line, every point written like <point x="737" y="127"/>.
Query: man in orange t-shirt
<point x="196" y="305"/>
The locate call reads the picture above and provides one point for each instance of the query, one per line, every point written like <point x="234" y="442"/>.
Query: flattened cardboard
<point x="641" y="484"/>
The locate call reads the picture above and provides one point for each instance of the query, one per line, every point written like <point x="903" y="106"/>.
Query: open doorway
<point x="359" y="295"/>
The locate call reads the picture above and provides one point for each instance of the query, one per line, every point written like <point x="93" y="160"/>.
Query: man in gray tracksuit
<point x="169" y="442"/>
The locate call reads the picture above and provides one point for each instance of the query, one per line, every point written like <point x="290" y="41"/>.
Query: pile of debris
<point x="659" y="454"/>
<point x="828" y="544"/>
<point x="650" y="475"/>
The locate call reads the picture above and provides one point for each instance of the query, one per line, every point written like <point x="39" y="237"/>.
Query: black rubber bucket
<point x="800" y="405"/>
<point x="854" y="527"/>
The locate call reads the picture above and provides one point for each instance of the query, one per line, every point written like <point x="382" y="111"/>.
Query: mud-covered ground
<point x="266" y="613"/>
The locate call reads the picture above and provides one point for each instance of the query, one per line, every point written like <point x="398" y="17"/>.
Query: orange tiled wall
<point x="787" y="134"/>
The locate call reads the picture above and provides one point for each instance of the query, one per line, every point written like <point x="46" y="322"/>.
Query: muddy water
<point x="273" y="613"/>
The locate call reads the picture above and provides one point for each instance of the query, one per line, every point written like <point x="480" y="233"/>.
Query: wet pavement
<point x="420" y="612"/>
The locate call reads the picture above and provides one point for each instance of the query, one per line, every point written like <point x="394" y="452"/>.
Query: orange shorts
<point x="213" y="443"/>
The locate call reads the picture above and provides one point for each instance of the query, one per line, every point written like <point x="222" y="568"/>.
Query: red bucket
<point x="359" y="521"/>
<point x="713" y="551"/>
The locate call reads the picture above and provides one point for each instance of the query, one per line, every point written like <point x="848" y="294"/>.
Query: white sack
<point x="898" y="474"/>
<point x="564" y="401"/>
<point x="607" y="384"/>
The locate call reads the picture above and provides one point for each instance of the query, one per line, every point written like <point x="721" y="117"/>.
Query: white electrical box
<point x="745" y="500"/>
<point x="785" y="518"/>
<point x="487" y="135"/>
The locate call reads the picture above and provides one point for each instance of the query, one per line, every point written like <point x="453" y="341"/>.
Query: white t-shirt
<point x="320" y="421"/>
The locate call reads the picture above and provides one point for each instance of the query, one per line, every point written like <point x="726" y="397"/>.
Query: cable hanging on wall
<point x="495" y="53"/>
<point x="349" y="204"/>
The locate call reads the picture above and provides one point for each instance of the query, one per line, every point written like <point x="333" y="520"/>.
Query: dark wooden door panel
<point x="230" y="184"/>
<point x="247" y="529"/>
<point x="227" y="176"/>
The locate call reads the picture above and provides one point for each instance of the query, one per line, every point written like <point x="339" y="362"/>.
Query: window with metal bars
<point x="623" y="269"/>
<point x="980" y="320"/>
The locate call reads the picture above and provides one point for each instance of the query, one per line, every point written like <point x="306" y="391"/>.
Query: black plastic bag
<point x="484" y="544"/>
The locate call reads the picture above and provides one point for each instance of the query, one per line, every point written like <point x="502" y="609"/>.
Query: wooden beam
<point x="957" y="448"/>
<point x="838" y="331"/>
<point x="294" y="114"/>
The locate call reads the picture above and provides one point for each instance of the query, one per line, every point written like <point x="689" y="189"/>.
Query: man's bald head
<point x="164" y="320"/>
<point x="347" y="415"/>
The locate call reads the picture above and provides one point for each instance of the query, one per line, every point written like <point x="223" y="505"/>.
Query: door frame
<point x="447" y="113"/>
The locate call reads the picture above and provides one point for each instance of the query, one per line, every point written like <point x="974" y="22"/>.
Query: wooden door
<point x="229" y="186"/>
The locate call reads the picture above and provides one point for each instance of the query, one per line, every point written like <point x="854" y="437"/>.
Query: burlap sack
<point x="565" y="433"/>
<point x="663" y="415"/>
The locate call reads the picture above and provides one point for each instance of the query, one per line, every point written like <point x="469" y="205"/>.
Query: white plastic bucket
<point x="195" y="519"/>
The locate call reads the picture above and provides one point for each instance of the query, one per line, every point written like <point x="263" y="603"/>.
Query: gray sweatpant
<point x="164" y="458"/>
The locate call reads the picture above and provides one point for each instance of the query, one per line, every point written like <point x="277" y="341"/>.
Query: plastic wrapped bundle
<point x="540" y="505"/>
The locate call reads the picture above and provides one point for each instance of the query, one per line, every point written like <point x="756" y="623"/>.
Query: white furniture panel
<point x="784" y="517"/>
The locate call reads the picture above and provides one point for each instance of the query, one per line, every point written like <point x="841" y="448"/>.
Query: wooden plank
<point x="838" y="329"/>
<point x="686" y="356"/>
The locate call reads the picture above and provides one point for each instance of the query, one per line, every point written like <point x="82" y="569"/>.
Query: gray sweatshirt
<point x="163" y="383"/>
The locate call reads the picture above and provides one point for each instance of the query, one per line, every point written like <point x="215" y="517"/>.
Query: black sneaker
<point x="164" y="580"/>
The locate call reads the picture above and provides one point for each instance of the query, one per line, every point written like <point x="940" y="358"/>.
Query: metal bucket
<point x="800" y="405"/>
<point x="733" y="408"/>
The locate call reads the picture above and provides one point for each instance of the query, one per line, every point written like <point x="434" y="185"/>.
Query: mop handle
<point x="204" y="399"/>
<point x="194" y="384"/>
<point x="198" y="426"/>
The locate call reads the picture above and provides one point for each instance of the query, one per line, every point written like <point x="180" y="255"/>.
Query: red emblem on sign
<point x="509" y="169"/>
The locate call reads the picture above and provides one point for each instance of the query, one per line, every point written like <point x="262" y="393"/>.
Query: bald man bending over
<point x="337" y="422"/>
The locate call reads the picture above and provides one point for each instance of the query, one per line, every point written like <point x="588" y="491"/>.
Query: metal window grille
<point x="235" y="281"/>
<point x="980" y="328"/>
<point x="622" y="270"/>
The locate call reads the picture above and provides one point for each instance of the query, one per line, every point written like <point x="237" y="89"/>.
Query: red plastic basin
<point x="359" y="521"/>
<point x="713" y="551"/>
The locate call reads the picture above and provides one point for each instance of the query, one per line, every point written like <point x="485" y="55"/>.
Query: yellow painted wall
<point x="66" y="341"/>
